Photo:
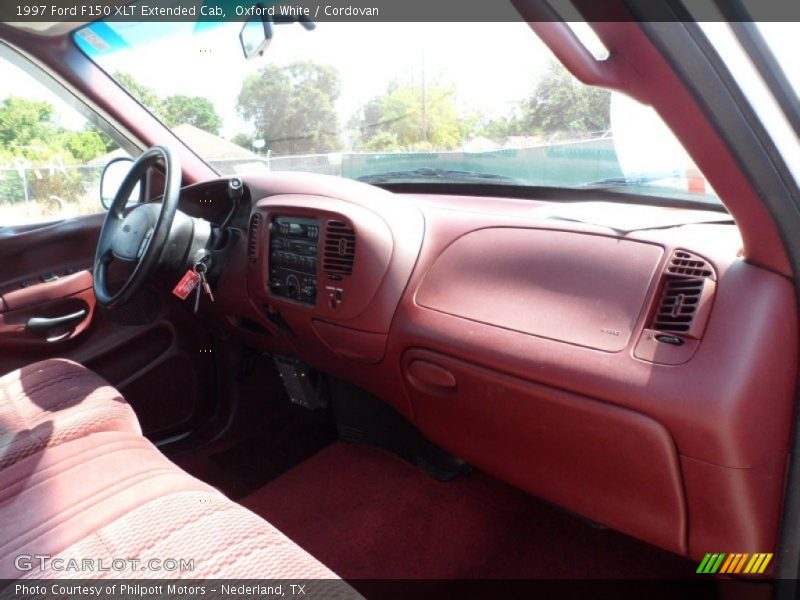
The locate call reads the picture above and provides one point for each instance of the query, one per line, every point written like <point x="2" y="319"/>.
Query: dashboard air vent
<point x="679" y="302"/>
<point x="252" y="237"/>
<point x="339" y="251"/>
<point x="688" y="265"/>
<point x="686" y="294"/>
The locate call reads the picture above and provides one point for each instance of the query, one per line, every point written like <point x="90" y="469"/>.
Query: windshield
<point x="784" y="43"/>
<point x="482" y="103"/>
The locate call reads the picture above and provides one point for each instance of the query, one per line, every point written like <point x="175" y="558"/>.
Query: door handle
<point x="45" y="324"/>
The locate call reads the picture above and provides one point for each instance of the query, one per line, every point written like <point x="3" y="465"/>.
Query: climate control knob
<point x="293" y="286"/>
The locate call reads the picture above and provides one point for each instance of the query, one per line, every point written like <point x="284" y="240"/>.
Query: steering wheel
<point x="141" y="236"/>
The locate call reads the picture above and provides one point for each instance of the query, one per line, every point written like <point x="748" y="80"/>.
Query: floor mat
<point x="269" y="436"/>
<point x="245" y="466"/>
<point x="366" y="513"/>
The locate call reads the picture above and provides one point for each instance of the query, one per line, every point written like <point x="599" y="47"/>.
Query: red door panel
<point x="159" y="360"/>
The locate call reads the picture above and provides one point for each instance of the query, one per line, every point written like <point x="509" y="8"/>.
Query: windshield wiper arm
<point x="634" y="179"/>
<point x="428" y="174"/>
<point x="643" y="184"/>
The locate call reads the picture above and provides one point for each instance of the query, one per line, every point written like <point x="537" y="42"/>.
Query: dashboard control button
<point x="673" y="340"/>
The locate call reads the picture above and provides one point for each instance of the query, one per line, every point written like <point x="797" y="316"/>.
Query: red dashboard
<point x="642" y="379"/>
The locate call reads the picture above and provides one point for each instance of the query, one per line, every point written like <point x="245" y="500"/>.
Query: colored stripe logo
<point x="742" y="563"/>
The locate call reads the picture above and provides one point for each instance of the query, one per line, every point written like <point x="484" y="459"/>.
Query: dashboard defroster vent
<point x="339" y="251"/>
<point x="252" y="237"/>
<point x="686" y="295"/>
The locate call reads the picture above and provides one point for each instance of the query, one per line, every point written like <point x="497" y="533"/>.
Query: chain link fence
<point x="562" y="163"/>
<point x="41" y="193"/>
<point x="36" y="194"/>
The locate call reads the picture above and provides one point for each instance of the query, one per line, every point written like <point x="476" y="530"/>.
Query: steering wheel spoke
<point x="110" y="228"/>
<point x="145" y="245"/>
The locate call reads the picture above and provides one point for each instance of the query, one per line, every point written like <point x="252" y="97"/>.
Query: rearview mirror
<point x="111" y="180"/>
<point x="255" y="36"/>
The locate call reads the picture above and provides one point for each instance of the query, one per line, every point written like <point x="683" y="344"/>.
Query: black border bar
<point x="381" y="10"/>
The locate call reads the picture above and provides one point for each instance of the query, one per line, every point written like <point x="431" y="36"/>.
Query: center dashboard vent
<point x="687" y="290"/>
<point x="339" y="251"/>
<point x="252" y="237"/>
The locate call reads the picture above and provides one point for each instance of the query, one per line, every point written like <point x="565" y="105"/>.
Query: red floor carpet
<point x="367" y="514"/>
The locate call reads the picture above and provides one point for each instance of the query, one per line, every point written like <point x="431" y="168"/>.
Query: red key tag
<point x="187" y="283"/>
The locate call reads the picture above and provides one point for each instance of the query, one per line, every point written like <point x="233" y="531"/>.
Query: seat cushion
<point x="115" y="496"/>
<point x="50" y="402"/>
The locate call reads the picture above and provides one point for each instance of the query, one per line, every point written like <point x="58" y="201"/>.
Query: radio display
<point x="297" y="227"/>
<point x="293" y="255"/>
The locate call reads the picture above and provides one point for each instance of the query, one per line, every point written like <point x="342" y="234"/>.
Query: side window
<point x="51" y="156"/>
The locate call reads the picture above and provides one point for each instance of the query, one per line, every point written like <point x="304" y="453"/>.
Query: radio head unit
<point x="293" y="258"/>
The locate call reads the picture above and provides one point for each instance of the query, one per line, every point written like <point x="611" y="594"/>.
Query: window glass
<point x="477" y="103"/>
<point x="784" y="41"/>
<point x="51" y="156"/>
<point x="755" y="89"/>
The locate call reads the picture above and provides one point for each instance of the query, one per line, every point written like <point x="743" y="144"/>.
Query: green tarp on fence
<point x="558" y="165"/>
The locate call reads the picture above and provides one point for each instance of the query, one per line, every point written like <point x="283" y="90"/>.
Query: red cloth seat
<point x="113" y="496"/>
<point x="80" y="482"/>
<point x="54" y="401"/>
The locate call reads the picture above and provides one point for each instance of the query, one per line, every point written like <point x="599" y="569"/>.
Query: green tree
<point x="560" y="103"/>
<point x="108" y="141"/>
<point x="292" y="108"/>
<point x="194" y="110"/>
<point x="244" y="140"/>
<point x="147" y="96"/>
<point x="28" y="131"/>
<point x="382" y="141"/>
<point x="176" y="109"/>
<point x="83" y="146"/>
<point x="405" y="118"/>
<point x="26" y="126"/>
<point x="498" y="128"/>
